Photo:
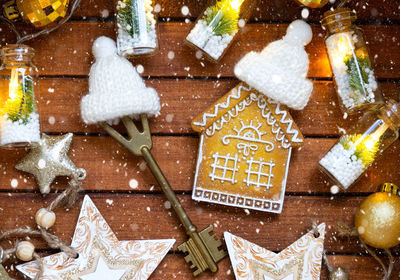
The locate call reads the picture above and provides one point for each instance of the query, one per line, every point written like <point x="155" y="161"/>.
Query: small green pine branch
<point x="366" y="153"/>
<point x="127" y="19"/>
<point x="222" y="18"/>
<point x="20" y="109"/>
<point x="358" y="77"/>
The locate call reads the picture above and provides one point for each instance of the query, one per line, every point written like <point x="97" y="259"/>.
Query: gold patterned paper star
<point x="97" y="246"/>
<point x="300" y="261"/>
<point x="49" y="159"/>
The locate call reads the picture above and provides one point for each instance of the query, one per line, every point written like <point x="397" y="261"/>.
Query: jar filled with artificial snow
<point x="216" y="27"/>
<point x="137" y="28"/>
<point x="355" y="80"/>
<point x="361" y="145"/>
<point x="19" y="116"/>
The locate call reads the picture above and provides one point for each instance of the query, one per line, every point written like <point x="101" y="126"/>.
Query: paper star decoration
<point x="48" y="159"/>
<point x="100" y="253"/>
<point x="300" y="261"/>
<point x="103" y="272"/>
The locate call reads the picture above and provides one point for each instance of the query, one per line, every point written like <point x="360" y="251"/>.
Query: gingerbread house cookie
<point x="245" y="148"/>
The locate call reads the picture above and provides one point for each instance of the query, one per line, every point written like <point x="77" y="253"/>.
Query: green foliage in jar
<point x="222" y="18"/>
<point x="358" y="76"/>
<point x="22" y="105"/>
<point x="365" y="147"/>
<point x="128" y="18"/>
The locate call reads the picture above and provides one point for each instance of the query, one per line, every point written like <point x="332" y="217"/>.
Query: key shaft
<point x="190" y="228"/>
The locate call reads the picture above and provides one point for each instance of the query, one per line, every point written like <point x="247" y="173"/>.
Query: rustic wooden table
<point x="187" y="86"/>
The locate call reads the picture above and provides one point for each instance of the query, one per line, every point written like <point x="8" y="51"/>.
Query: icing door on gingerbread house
<point x="245" y="148"/>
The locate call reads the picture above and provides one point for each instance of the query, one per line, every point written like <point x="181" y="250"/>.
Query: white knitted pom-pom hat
<point x="115" y="88"/>
<point x="280" y="70"/>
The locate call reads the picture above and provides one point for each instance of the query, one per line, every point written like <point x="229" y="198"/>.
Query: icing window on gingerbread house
<point x="224" y="168"/>
<point x="259" y="173"/>
<point x="251" y="135"/>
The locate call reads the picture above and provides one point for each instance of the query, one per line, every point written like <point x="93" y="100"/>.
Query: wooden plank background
<point x="187" y="86"/>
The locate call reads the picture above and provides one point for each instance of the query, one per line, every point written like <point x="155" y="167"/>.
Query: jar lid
<point x="17" y="49"/>
<point x="389" y="188"/>
<point x="338" y="19"/>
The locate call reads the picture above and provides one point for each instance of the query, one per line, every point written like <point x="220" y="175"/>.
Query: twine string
<point x="69" y="196"/>
<point x="66" y="199"/>
<point x="327" y="263"/>
<point x="373" y="254"/>
<point x="345" y="230"/>
<point x="391" y="263"/>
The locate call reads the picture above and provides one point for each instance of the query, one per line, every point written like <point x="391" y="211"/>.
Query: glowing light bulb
<point x="235" y="4"/>
<point x="344" y="47"/>
<point x="14" y="85"/>
<point x="371" y="141"/>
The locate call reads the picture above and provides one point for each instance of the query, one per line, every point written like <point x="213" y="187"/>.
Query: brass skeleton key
<point x="202" y="249"/>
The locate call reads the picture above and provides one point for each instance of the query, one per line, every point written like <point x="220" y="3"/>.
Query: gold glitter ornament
<point x="3" y="272"/>
<point x="313" y="3"/>
<point x="49" y="159"/>
<point x="378" y="219"/>
<point x="339" y="273"/>
<point x="38" y="12"/>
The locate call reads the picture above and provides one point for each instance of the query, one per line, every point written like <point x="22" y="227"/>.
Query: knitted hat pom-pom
<point x="298" y="33"/>
<point x="103" y="47"/>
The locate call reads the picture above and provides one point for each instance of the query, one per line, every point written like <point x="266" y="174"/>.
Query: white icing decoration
<point x="248" y="133"/>
<point x="225" y="105"/>
<point x="259" y="174"/>
<point x="275" y="128"/>
<point x="228" y="173"/>
<point x="286" y="120"/>
<point x="241" y="106"/>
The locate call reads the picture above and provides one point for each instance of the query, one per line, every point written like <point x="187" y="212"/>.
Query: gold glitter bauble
<point x="313" y="3"/>
<point x="378" y="220"/>
<point x="38" y="12"/>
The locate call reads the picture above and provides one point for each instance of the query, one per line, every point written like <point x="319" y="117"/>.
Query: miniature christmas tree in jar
<point x="356" y="151"/>
<point x="19" y="118"/>
<point x="137" y="28"/>
<point x="218" y="25"/>
<point x="355" y="80"/>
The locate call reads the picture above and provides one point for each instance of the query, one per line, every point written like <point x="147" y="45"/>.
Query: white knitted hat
<point x="280" y="70"/>
<point x="115" y="88"/>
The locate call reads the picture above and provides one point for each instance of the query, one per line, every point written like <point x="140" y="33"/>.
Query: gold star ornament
<point x="300" y="261"/>
<point x="101" y="255"/>
<point x="49" y="159"/>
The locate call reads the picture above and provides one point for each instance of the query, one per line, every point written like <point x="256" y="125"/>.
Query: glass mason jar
<point x="313" y="3"/>
<point x="357" y="150"/>
<point x="355" y="80"/>
<point x="215" y="29"/>
<point x="19" y="117"/>
<point x="137" y="28"/>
